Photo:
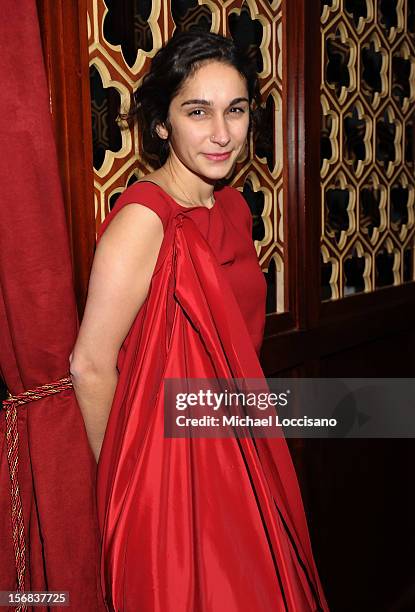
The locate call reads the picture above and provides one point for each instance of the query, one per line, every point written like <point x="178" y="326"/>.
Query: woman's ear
<point x="162" y="131"/>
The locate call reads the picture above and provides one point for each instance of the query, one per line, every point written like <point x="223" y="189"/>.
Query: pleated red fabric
<point x="196" y="525"/>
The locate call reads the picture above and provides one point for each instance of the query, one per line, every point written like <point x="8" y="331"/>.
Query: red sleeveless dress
<point x="198" y="525"/>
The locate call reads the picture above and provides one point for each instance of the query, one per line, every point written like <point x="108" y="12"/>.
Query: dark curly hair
<point x="170" y="67"/>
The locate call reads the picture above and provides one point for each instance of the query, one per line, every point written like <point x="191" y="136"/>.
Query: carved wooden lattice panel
<point x="123" y="37"/>
<point x="367" y="145"/>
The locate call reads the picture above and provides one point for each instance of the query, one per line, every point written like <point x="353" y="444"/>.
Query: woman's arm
<point x="121" y="273"/>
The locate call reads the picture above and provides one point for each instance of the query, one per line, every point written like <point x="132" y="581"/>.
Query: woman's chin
<point x="217" y="173"/>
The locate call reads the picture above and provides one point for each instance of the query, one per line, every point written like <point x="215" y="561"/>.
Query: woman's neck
<point x="184" y="184"/>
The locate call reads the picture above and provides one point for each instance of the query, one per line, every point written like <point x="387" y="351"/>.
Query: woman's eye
<point x="200" y="112"/>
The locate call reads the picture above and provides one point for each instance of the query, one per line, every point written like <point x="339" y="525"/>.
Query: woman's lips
<point x="217" y="156"/>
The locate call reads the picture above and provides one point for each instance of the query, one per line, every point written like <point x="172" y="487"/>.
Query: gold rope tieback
<point x="12" y="440"/>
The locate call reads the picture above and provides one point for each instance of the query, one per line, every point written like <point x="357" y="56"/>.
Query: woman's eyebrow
<point x="209" y="103"/>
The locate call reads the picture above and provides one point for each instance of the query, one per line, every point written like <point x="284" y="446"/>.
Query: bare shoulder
<point x="130" y="243"/>
<point x="133" y="221"/>
<point x="120" y="278"/>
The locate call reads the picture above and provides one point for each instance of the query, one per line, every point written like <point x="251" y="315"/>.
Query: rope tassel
<point x="12" y="442"/>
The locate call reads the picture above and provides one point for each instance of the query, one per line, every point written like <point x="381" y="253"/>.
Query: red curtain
<point x="38" y="325"/>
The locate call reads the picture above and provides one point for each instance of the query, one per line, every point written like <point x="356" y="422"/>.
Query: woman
<point x="188" y="525"/>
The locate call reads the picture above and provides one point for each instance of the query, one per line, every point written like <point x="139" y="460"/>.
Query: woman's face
<point x="209" y="118"/>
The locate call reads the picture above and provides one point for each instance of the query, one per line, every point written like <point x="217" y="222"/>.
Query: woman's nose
<point x="220" y="132"/>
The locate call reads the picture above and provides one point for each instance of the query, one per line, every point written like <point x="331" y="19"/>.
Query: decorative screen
<point x="367" y="145"/>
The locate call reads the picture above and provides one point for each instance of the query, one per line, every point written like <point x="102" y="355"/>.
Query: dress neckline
<point x="175" y="201"/>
